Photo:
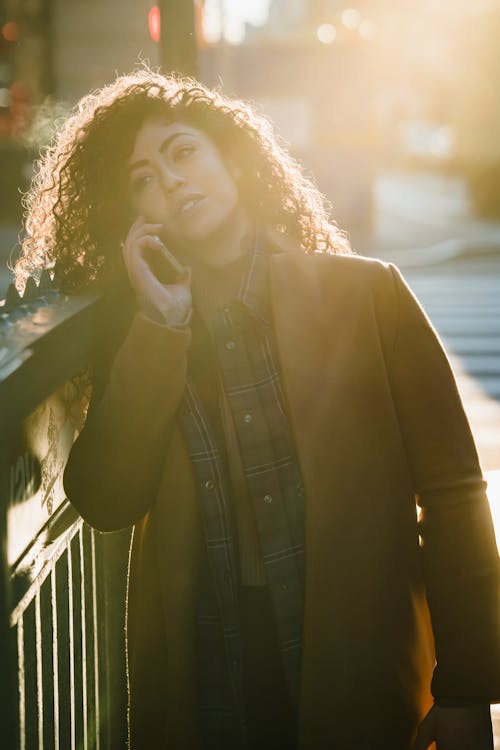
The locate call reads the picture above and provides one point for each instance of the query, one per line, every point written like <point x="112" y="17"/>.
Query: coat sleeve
<point x="115" y="464"/>
<point x="460" y="557"/>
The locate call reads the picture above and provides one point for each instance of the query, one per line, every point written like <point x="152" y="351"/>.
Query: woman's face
<point x="177" y="177"/>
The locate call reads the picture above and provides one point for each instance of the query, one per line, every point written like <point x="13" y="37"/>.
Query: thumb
<point x="185" y="279"/>
<point x="426" y="733"/>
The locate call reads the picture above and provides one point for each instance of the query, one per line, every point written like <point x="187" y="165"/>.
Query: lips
<point x="186" y="204"/>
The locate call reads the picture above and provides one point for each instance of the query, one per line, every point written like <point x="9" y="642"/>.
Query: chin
<point x="204" y="231"/>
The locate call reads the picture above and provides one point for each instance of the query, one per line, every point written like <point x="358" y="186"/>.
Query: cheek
<point x="151" y="205"/>
<point x="227" y="193"/>
<point x="218" y="180"/>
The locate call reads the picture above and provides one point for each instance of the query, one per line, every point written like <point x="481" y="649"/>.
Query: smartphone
<point x="163" y="263"/>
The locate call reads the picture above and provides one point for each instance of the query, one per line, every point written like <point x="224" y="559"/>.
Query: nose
<point x="170" y="179"/>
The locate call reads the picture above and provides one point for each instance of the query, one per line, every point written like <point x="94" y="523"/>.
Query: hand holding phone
<point x="161" y="284"/>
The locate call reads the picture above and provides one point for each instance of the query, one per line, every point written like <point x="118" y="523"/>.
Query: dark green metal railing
<point x="62" y="587"/>
<point x="62" y="584"/>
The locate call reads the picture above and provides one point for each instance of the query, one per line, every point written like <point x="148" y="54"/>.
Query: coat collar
<point x="253" y="294"/>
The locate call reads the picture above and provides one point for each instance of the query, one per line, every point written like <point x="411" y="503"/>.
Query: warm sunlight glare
<point x="493" y="479"/>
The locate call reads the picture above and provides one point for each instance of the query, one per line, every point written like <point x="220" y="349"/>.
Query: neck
<point x="224" y="245"/>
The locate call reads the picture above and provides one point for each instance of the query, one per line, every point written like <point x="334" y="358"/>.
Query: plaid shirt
<point x="244" y="352"/>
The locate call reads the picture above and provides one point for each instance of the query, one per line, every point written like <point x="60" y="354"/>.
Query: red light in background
<point x="11" y="31"/>
<point x="154" y="23"/>
<point x="18" y="91"/>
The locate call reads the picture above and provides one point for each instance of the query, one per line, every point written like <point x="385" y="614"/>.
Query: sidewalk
<point x="423" y="218"/>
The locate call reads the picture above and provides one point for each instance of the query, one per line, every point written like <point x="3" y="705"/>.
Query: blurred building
<point x="285" y="15"/>
<point x="317" y="91"/>
<point x="95" y="39"/>
<point x="25" y="62"/>
<point x="25" y="77"/>
<point x="312" y="72"/>
<point x="351" y="86"/>
<point x="51" y="53"/>
<point x="67" y="47"/>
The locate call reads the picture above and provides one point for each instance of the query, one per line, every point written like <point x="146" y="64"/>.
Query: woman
<point x="266" y="415"/>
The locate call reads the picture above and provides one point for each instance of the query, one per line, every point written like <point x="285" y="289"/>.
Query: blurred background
<point x="387" y="103"/>
<point x="393" y="106"/>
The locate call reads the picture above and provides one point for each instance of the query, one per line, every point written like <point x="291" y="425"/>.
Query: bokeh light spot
<point x="326" y="33"/>
<point x="351" y="18"/>
<point x="154" y="23"/>
<point x="11" y="31"/>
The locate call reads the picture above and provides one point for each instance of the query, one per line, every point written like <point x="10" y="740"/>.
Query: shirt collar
<point x="253" y="294"/>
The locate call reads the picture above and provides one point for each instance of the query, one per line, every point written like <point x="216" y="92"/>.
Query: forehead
<point x="154" y="131"/>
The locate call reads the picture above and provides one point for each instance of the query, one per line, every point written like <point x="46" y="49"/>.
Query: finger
<point x="139" y="244"/>
<point x="135" y="228"/>
<point x="140" y="227"/>
<point x="154" y="242"/>
<point x="148" y="229"/>
<point x="135" y="254"/>
<point x="140" y="260"/>
<point x="129" y="247"/>
<point x="174" y="263"/>
<point x="143" y="279"/>
<point x="185" y="278"/>
<point x="137" y="223"/>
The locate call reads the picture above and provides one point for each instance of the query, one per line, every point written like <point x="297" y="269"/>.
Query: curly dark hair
<point x="77" y="210"/>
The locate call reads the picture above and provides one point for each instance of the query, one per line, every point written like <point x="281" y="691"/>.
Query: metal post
<point x="8" y="691"/>
<point x="178" y="43"/>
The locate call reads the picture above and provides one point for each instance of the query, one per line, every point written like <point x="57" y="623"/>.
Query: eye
<point x="139" y="183"/>
<point x="183" y="152"/>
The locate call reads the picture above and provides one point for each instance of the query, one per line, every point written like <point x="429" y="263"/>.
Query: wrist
<point x="172" y="316"/>
<point x="178" y="320"/>
<point x="167" y="319"/>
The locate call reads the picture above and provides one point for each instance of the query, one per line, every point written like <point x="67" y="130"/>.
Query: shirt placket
<point x="275" y="487"/>
<point x="217" y="525"/>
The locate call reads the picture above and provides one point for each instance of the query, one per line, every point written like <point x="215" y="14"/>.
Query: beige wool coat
<point x="378" y="424"/>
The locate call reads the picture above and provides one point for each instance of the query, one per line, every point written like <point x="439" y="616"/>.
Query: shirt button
<point x="284" y="586"/>
<point x="300" y="489"/>
<point x="247" y="418"/>
<point x="230" y="344"/>
<point x="268" y="499"/>
<point x="226" y="309"/>
<point x="209" y="484"/>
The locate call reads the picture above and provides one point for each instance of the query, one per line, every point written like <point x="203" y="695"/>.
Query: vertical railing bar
<point x="55" y="661"/>
<point x="96" y="642"/>
<point x="71" y="646"/>
<point x="22" y="703"/>
<point x="39" y="675"/>
<point x="24" y="602"/>
<point x="84" y="640"/>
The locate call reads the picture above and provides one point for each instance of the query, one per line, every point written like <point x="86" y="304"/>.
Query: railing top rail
<point x="43" y="342"/>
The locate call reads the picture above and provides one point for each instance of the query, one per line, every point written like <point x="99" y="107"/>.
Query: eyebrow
<point x="165" y="144"/>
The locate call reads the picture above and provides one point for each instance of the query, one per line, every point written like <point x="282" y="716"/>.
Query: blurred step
<point x="463" y="345"/>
